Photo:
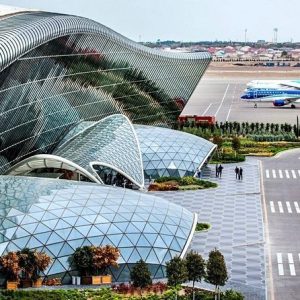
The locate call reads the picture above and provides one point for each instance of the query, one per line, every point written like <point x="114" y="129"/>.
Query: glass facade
<point x="59" y="70"/>
<point x="169" y="152"/>
<point x="57" y="216"/>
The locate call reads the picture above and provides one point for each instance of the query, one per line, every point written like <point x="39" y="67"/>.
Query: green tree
<point x="176" y="272"/>
<point x="232" y="295"/>
<point x="236" y="143"/>
<point x="216" y="270"/>
<point x="195" y="265"/>
<point x="140" y="275"/>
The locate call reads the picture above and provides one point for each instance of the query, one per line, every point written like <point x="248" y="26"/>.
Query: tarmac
<point x="219" y="91"/>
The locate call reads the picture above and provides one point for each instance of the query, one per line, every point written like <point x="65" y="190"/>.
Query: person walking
<point x="241" y="173"/>
<point x="220" y="169"/>
<point x="237" y="171"/>
<point x="217" y="170"/>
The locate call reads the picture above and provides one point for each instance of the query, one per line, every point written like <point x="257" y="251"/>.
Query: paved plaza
<point x="235" y="214"/>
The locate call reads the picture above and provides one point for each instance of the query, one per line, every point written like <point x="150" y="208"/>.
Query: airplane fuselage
<point x="260" y="93"/>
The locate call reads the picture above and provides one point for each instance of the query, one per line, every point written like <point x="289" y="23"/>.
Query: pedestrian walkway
<point x="290" y="207"/>
<point x="288" y="264"/>
<point x="282" y="174"/>
<point x="234" y="212"/>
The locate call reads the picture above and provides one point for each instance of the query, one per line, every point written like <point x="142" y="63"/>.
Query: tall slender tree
<point x="216" y="270"/>
<point x="195" y="265"/>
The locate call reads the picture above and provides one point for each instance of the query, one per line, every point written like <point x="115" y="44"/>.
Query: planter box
<point x="90" y="280"/>
<point x="107" y="279"/>
<point x="11" y="285"/>
<point x="37" y="283"/>
<point x="26" y="283"/>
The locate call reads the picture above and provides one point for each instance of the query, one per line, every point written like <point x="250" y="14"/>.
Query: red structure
<point x="199" y="120"/>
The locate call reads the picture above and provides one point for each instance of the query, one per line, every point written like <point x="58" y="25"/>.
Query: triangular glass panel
<point x="126" y="252"/>
<point x="152" y="258"/>
<point x="54" y="238"/>
<point x="66" y="250"/>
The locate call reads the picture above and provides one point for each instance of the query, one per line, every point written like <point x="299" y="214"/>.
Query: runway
<point x="218" y="94"/>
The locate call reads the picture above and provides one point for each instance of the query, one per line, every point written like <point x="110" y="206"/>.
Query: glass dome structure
<point x="57" y="216"/>
<point x="169" y="152"/>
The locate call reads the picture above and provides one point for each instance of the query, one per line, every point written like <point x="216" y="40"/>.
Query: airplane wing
<point x="291" y="84"/>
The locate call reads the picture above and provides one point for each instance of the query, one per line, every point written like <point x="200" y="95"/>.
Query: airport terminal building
<point x="79" y="101"/>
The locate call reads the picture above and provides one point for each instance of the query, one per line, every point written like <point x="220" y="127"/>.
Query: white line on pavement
<point x="297" y="207"/>
<point x="274" y="173"/>
<point x="287" y="174"/>
<point x="288" y="205"/>
<point x="268" y="174"/>
<point x="280" y="174"/>
<point x="280" y="264"/>
<point x="272" y="206"/>
<point x="207" y="109"/>
<point x="222" y="100"/>
<point x="291" y="264"/>
<point x="299" y="172"/>
<point x="294" y="174"/>
<point x="280" y="207"/>
<point x="228" y="112"/>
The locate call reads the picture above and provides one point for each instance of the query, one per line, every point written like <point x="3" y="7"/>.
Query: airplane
<point x="279" y="97"/>
<point x="273" y="84"/>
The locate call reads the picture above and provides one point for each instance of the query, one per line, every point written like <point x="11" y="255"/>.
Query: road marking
<point x="291" y="264"/>
<point x="287" y="174"/>
<point x="288" y="205"/>
<point x="228" y="112"/>
<point x="272" y="206"/>
<point x="297" y="207"/>
<point x="222" y="100"/>
<point x="268" y="174"/>
<point x="274" y="173"/>
<point x="280" y="207"/>
<point x="294" y="174"/>
<point x="280" y="174"/>
<point x="299" y="172"/>
<point x="280" y="264"/>
<point x="207" y="109"/>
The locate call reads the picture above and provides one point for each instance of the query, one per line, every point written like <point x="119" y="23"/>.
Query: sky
<point x="184" y="20"/>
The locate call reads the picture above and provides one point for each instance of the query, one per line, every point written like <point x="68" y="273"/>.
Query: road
<point x="281" y="179"/>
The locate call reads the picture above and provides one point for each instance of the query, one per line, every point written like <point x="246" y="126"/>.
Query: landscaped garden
<point x="237" y="140"/>
<point x="91" y="261"/>
<point x="180" y="184"/>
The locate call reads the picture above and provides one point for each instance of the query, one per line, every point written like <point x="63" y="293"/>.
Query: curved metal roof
<point x="111" y="142"/>
<point x="21" y="33"/>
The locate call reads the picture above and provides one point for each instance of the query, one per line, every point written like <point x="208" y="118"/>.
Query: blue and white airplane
<point x="279" y="92"/>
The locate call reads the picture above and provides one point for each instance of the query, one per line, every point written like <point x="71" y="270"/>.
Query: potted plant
<point x="26" y="263"/>
<point x="92" y="263"/>
<point x="41" y="263"/>
<point x="82" y="259"/>
<point x="103" y="257"/>
<point x="10" y="267"/>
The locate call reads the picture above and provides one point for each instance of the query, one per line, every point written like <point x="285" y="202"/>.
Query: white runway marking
<point x="291" y="264"/>
<point x="280" y="264"/>
<point x="272" y="206"/>
<point x="267" y="174"/>
<point x="294" y="174"/>
<point x="287" y="174"/>
<point x="228" y="112"/>
<point x="222" y="99"/>
<point x="288" y="205"/>
<point x="207" y="109"/>
<point x="280" y="207"/>
<point x="299" y="172"/>
<point x="297" y="207"/>
<point x="280" y="174"/>
<point x="274" y="173"/>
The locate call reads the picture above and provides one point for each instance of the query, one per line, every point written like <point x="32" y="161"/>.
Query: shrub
<point x="166" y="178"/>
<point x="10" y="265"/>
<point x="232" y="295"/>
<point x="202" y="226"/>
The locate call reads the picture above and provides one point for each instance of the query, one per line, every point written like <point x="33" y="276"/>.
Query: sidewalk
<point x="235" y="214"/>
